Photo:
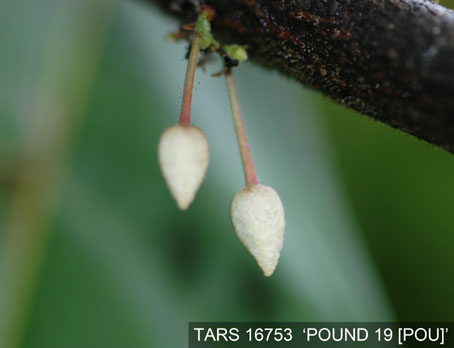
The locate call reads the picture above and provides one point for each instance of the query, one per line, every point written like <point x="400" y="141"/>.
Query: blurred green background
<point x="93" y="251"/>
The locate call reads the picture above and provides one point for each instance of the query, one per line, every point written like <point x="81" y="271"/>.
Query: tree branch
<point x="390" y="59"/>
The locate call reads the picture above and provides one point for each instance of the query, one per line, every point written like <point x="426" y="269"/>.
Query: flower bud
<point x="183" y="157"/>
<point x="258" y="218"/>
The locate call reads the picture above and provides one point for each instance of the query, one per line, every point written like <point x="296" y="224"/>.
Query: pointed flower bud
<point x="258" y="219"/>
<point x="183" y="157"/>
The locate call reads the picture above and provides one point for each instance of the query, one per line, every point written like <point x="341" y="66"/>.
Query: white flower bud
<point x="258" y="218"/>
<point x="183" y="157"/>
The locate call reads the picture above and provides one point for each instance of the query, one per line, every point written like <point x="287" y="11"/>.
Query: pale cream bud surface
<point x="258" y="219"/>
<point x="183" y="157"/>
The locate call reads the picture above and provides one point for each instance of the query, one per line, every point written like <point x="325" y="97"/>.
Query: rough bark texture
<point x="390" y="59"/>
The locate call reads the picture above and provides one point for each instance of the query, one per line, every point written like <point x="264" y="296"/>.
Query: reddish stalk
<point x="246" y="158"/>
<point x="185" y="115"/>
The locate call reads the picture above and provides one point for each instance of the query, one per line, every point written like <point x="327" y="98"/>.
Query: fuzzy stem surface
<point x="246" y="157"/>
<point x="185" y="115"/>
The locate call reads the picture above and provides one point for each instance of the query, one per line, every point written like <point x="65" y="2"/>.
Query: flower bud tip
<point x="258" y="219"/>
<point x="183" y="158"/>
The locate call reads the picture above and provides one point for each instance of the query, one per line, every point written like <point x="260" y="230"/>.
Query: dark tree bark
<point x="390" y="59"/>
